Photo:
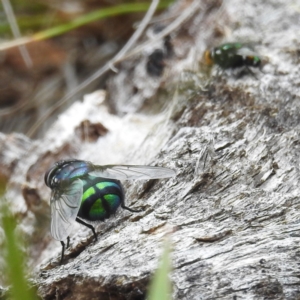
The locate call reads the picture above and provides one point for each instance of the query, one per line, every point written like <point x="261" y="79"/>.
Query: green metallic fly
<point x="84" y="191"/>
<point x="231" y="55"/>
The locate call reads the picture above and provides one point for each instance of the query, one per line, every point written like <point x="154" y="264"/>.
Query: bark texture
<point x="233" y="139"/>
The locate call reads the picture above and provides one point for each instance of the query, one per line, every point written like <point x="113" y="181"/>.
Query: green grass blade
<point x="160" y="287"/>
<point x="96" y="16"/>
<point x="83" y="20"/>
<point x="2" y="186"/>
<point x="15" y="260"/>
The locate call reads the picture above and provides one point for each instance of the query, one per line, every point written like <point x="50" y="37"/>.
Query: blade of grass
<point x="83" y="20"/>
<point x="160" y="287"/>
<point x="15" y="259"/>
<point x="2" y="186"/>
<point x="97" y="15"/>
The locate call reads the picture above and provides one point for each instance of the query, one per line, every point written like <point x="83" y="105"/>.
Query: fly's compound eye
<point x="50" y="177"/>
<point x="54" y="182"/>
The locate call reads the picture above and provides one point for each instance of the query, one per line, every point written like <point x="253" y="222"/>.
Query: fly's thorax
<point x="66" y="170"/>
<point x="225" y="56"/>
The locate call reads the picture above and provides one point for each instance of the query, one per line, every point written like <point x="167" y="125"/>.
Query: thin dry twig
<point x="121" y="55"/>
<point x="141" y="28"/>
<point x="16" y="31"/>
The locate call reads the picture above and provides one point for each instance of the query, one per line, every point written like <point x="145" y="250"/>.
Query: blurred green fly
<point x="82" y="191"/>
<point x="231" y="55"/>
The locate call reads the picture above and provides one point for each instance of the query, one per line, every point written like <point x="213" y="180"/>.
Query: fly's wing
<point x="65" y="205"/>
<point x="124" y="172"/>
<point x="245" y="51"/>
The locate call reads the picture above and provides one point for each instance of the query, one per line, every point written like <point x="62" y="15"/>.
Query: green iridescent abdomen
<point x="100" y="199"/>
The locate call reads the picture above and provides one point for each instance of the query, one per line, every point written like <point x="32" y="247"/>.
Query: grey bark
<point x="232" y="210"/>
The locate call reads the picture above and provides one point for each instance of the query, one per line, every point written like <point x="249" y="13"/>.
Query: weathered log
<point x="231" y="211"/>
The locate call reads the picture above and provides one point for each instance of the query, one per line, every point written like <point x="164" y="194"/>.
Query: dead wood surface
<point x="232" y="210"/>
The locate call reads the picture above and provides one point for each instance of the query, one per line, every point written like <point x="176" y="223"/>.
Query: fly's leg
<point x="87" y="225"/>
<point x="123" y="204"/>
<point x="251" y="72"/>
<point x="62" y="251"/>
<point x="63" y="248"/>
<point x="130" y="209"/>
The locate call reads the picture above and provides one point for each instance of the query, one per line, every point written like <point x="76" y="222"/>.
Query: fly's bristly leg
<point x="62" y="251"/>
<point x="130" y="209"/>
<point x="89" y="226"/>
<point x="251" y="72"/>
